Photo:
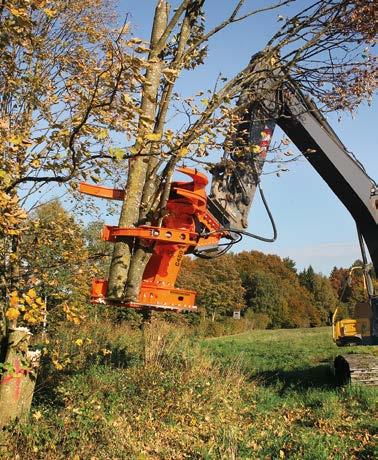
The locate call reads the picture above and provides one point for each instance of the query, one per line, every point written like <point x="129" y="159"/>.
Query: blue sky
<point x="314" y="227"/>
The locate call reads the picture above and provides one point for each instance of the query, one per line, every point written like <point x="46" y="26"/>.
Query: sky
<point x="313" y="226"/>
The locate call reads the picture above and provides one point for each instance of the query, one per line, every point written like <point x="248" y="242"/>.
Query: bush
<point x="175" y="403"/>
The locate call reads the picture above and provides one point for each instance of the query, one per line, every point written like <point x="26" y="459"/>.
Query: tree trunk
<point x="151" y="202"/>
<point x="18" y="381"/>
<point x="130" y="213"/>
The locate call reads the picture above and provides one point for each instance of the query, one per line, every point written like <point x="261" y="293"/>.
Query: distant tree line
<point x="60" y="256"/>
<point x="270" y="290"/>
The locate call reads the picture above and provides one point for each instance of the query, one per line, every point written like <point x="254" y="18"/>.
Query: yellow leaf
<point x="169" y="134"/>
<point x="205" y="101"/>
<point x="117" y="152"/>
<point x="18" y="12"/>
<point x="134" y="150"/>
<point x="141" y="49"/>
<point x="102" y="134"/>
<point x="37" y="415"/>
<point x="282" y="454"/>
<point x="272" y="61"/>
<point x="255" y="149"/>
<point x="153" y="137"/>
<point x="13" y="299"/>
<point x="182" y="152"/>
<point x="32" y="293"/>
<point x="49" y="13"/>
<point x="170" y="72"/>
<point x="57" y="365"/>
<point x="79" y="342"/>
<point x="64" y="132"/>
<point x="12" y="313"/>
<point x="35" y="163"/>
<point x="134" y="41"/>
<point x="126" y="98"/>
<point x="16" y="140"/>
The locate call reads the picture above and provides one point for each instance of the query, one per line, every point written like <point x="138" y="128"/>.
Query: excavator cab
<point x="356" y="331"/>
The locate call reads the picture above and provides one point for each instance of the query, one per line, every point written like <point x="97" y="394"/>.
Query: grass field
<point x="168" y="395"/>
<point x="299" y="412"/>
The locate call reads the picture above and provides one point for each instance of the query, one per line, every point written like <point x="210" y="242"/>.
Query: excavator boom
<point x="233" y="187"/>
<point x="236" y="178"/>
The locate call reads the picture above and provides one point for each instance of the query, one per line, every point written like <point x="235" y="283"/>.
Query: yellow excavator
<point x="359" y="330"/>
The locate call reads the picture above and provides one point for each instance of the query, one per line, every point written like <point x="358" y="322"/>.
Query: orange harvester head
<point x="180" y="232"/>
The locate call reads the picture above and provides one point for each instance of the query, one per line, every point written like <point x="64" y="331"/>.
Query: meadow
<point x="300" y="412"/>
<point x="166" y="393"/>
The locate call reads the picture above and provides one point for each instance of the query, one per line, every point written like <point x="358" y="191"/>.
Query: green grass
<point x="300" y="413"/>
<point x="167" y="395"/>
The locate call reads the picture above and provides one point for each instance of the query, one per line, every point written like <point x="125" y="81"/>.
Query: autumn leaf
<point x="255" y="149"/>
<point x="14" y="299"/>
<point x="183" y="151"/>
<point x="126" y="98"/>
<point x="134" y="150"/>
<point x="49" y="12"/>
<point x="153" y="137"/>
<point x="16" y="140"/>
<point x="37" y="415"/>
<point x="35" y="163"/>
<point x="117" y="152"/>
<point x="12" y="314"/>
<point x="134" y="41"/>
<point x="170" y="72"/>
<point x="102" y="134"/>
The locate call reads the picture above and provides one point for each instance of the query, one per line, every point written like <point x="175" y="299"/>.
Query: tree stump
<point x="19" y="376"/>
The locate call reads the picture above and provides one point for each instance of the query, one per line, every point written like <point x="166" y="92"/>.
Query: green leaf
<point x="117" y="152"/>
<point x="102" y="134"/>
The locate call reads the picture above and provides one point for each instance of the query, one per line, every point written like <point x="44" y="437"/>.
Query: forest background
<point x="269" y="291"/>
<point x="75" y="79"/>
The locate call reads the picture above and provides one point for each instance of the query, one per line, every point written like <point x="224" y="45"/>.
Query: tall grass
<point x="167" y="399"/>
<point x="159" y="392"/>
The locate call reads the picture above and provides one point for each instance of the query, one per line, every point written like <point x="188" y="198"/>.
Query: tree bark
<point x="18" y="381"/>
<point x="141" y="254"/>
<point x="130" y="213"/>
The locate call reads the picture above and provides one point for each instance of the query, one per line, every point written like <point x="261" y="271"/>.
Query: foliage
<point x="54" y="256"/>
<point x="217" y="283"/>
<point x="99" y="251"/>
<point x="63" y="67"/>
<point x="265" y="296"/>
<point x="237" y="397"/>
<point x="322" y="292"/>
<point x="273" y="289"/>
<point x="32" y="307"/>
<point x="274" y="293"/>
